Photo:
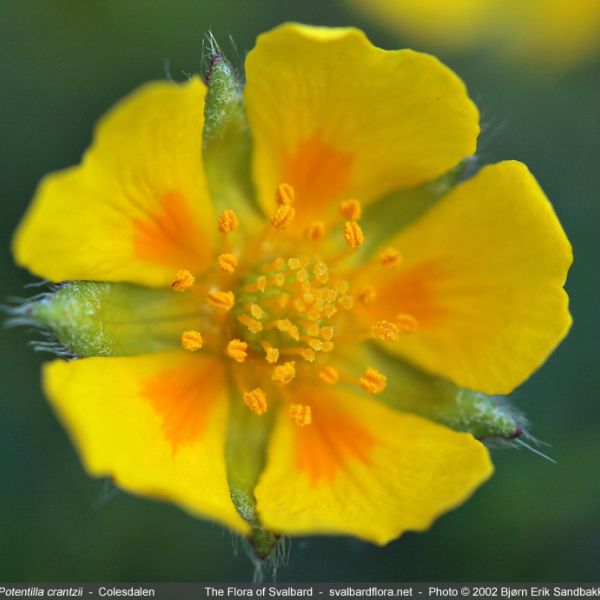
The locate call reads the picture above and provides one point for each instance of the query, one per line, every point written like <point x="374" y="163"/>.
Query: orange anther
<point x="346" y="301"/>
<point x="227" y="262"/>
<point x="256" y="401"/>
<point x="283" y="374"/>
<point x="315" y="231"/>
<point x="327" y="332"/>
<point x="308" y="354"/>
<point x="228" y="221"/>
<point x="237" y="350"/>
<point x="329" y="375"/>
<point x="256" y="311"/>
<point x="353" y="234"/>
<point x="407" y="323"/>
<point x="367" y="295"/>
<point x="285" y="195"/>
<point x="252" y="324"/>
<point x="191" y="340"/>
<point x="390" y="257"/>
<point x="184" y="280"/>
<point x="283" y="217"/>
<point x="222" y="301"/>
<point x="351" y="209"/>
<point x="272" y="355"/>
<point x="301" y="414"/>
<point x="372" y="381"/>
<point x="384" y="330"/>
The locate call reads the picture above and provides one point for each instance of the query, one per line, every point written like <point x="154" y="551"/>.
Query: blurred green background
<point x="62" y="64"/>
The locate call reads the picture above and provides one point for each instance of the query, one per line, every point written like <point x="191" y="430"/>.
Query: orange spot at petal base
<point x="319" y="173"/>
<point x="333" y="440"/>
<point x="183" y="397"/>
<point x="171" y="236"/>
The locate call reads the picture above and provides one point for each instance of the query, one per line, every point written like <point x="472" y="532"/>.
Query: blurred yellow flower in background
<point x="285" y="304"/>
<point x="552" y="33"/>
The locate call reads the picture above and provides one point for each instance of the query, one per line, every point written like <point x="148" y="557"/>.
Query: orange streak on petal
<point x="318" y="172"/>
<point x="172" y="235"/>
<point x="416" y="291"/>
<point x="331" y="441"/>
<point x="182" y="398"/>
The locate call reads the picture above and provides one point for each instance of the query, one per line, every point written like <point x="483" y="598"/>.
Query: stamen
<point x="321" y="272"/>
<point x="373" y="381"/>
<point x="329" y="375"/>
<point x="315" y="231"/>
<point x="283" y="300"/>
<point x="283" y="374"/>
<point x="384" y="330"/>
<point x="302" y="275"/>
<point x="308" y="354"/>
<point x="237" y="350"/>
<point x="283" y="217"/>
<point x="367" y="295"/>
<point x="351" y="210"/>
<point x="353" y="234"/>
<point x="252" y="324"/>
<point x="184" y="280"/>
<point x="294" y="263"/>
<point x="389" y="257"/>
<point x="407" y="323"/>
<point x="301" y="414"/>
<point x="256" y="401"/>
<point x="272" y="354"/>
<point x="282" y="325"/>
<point x="327" y="333"/>
<point x="285" y="194"/>
<point x="227" y="262"/>
<point x="222" y="301"/>
<point x="329" y="311"/>
<point x="228" y="221"/>
<point x="346" y="302"/>
<point x="341" y="286"/>
<point x="191" y="340"/>
<point x="256" y="311"/>
<point x="312" y="330"/>
<point x="261" y="283"/>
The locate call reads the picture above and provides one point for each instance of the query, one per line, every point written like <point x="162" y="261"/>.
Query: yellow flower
<point x="553" y="33"/>
<point x="303" y="359"/>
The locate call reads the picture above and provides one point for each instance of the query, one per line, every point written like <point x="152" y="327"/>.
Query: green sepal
<point x="227" y="143"/>
<point x="409" y="389"/>
<point x="115" y="319"/>
<point x="245" y="457"/>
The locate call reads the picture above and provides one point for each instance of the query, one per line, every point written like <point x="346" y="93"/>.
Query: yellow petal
<point x="155" y="424"/>
<point x="136" y="209"/>
<point x="482" y="273"/>
<point x="363" y="469"/>
<point x="336" y="117"/>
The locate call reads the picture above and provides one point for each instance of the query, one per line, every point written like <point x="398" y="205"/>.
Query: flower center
<point x="278" y="316"/>
<point x="288" y="308"/>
